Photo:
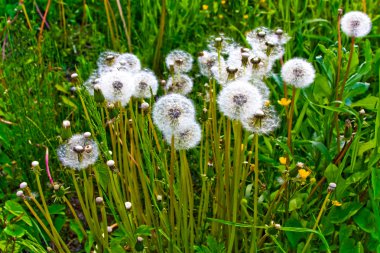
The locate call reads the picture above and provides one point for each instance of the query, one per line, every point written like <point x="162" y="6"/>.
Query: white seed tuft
<point x="298" y="73"/>
<point x="356" y="24"/>
<point x="181" y="84"/>
<point x="186" y="135"/>
<point x="179" y="60"/>
<point x="145" y="84"/>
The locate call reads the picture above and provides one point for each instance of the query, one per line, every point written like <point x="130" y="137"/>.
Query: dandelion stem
<point x="290" y="121"/>
<point x="75" y="216"/>
<point x="317" y="221"/>
<point x="256" y="193"/>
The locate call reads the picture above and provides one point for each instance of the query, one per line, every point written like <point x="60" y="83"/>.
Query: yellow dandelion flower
<point x="245" y="16"/>
<point x="284" y="101"/>
<point x="303" y="174"/>
<point x="224" y="2"/>
<point x="282" y="160"/>
<point x="336" y="203"/>
<point x="205" y="7"/>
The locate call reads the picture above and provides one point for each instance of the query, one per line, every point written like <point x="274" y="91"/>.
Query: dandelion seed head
<point x="91" y="82"/>
<point x="170" y="109"/>
<point x="106" y="61"/>
<point x="263" y="121"/>
<point x="74" y="155"/>
<point x="226" y="43"/>
<point x="128" y="62"/>
<point x="298" y="72"/>
<point x="145" y="84"/>
<point x="186" y="135"/>
<point x="180" y="83"/>
<point x="207" y="60"/>
<point x="181" y="61"/>
<point x="356" y="24"/>
<point x="239" y="98"/>
<point x="117" y="86"/>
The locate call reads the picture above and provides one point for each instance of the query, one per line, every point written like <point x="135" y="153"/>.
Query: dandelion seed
<point x="91" y="82"/>
<point x="128" y="62"/>
<point x="356" y="24"/>
<point x="239" y="98"/>
<point x="179" y="60"/>
<point x="207" y="60"/>
<point x="117" y="86"/>
<point x="145" y="84"/>
<point x="263" y="121"/>
<point x="186" y="135"/>
<point x="170" y="109"/>
<point x="76" y="153"/>
<point x="298" y="72"/>
<point x="181" y="84"/>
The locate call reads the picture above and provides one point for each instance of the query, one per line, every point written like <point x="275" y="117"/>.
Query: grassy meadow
<point x="310" y="184"/>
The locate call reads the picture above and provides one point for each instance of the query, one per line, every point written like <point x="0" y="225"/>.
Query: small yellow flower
<point x="304" y="173"/>
<point x="282" y="160"/>
<point x="205" y="7"/>
<point x="220" y="16"/>
<point x="312" y="180"/>
<point x="336" y="203"/>
<point x="245" y="16"/>
<point x="284" y="101"/>
<point x="224" y="2"/>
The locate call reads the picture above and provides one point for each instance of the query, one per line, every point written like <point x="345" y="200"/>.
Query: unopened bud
<point x="331" y="187"/>
<point x="66" y="131"/>
<point x="87" y="135"/>
<point x="20" y="194"/>
<point x="23" y="185"/>
<point x="56" y="187"/>
<point x="159" y="197"/>
<point x="74" y="75"/>
<point x="99" y="200"/>
<point x="35" y="164"/>
<point x="79" y="149"/>
<point x="110" y="163"/>
<point x="109" y="229"/>
<point x="128" y="205"/>
<point x="144" y="105"/>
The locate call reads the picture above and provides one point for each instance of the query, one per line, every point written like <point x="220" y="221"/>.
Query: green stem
<point x="317" y="221"/>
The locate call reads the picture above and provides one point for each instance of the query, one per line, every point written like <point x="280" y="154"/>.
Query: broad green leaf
<point x="14" y="230"/>
<point x="75" y="227"/>
<point x="16" y="209"/>
<point x="365" y="220"/>
<point x="143" y="230"/>
<point x="368" y="102"/>
<point x="293" y="237"/>
<point x="339" y="214"/>
<point x="57" y="209"/>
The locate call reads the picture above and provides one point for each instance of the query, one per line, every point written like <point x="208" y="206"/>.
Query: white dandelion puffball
<point x="91" y="82"/>
<point x="170" y="109"/>
<point x="186" y="136"/>
<point x="128" y="62"/>
<point x="106" y="61"/>
<point x="181" y="84"/>
<point x="179" y="60"/>
<point x="262" y="121"/>
<point x="117" y="86"/>
<point x="78" y="153"/>
<point x="356" y="24"/>
<point x="238" y="98"/>
<point x="207" y="60"/>
<point x="298" y="72"/>
<point x="145" y="84"/>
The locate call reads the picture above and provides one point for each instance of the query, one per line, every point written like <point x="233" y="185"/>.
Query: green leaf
<point x="366" y="147"/>
<point x="57" y="209"/>
<point x="376" y="183"/>
<point x="339" y="214"/>
<point x="59" y="222"/>
<point x="297" y="201"/>
<point x="365" y="220"/>
<point x="14" y="230"/>
<point x="368" y="102"/>
<point x="293" y="237"/>
<point x="74" y="226"/>
<point x="16" y="209"/>
<point x="143" y="230"/>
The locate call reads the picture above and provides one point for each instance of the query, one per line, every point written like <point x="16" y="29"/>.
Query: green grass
<point x="36" y="97"/>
